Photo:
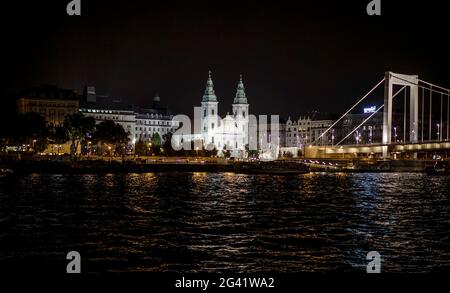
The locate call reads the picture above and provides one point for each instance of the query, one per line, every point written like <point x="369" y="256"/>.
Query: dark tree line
<point x="30" y="132"/>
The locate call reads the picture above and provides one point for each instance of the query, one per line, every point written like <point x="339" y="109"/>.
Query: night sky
<point x="295" y="56"/>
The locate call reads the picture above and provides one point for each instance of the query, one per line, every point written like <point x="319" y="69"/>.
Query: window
<point x="212" y="111"/>
<point x="243" y="113"/>
<point x="204" y="113"/>
<point x="212" y="139"/>
<point x="212" y="125"/>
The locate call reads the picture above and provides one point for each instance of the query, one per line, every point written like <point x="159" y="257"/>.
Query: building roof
<point x="49" y="92"/>
<point x="114" y="104"/>
<point x="240" y="97"/>
<point x="315" y="115"/>
<point x="106" y="103"/>
<point x="209" y="94"/>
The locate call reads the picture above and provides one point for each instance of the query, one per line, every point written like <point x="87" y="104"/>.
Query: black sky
<point x="295" y="56"/>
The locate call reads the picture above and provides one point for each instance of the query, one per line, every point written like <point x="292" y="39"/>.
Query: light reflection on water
<point x="190" y="222"/>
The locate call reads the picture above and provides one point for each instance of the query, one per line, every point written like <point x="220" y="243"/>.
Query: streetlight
<point x="395" y="133"/>
<point x="438" y="132"/>
<point x="332" y="137"/>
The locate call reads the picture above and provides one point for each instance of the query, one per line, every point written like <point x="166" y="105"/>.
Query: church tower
<point x="240" y="113"/>
<point x="209" y="113"/>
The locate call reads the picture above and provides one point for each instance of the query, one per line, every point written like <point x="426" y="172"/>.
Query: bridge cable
<point x="370" y="116"/>
<point x="360" y="100"/>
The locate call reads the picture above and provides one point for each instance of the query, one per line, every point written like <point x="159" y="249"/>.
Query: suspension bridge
<point x="425" y="115"/>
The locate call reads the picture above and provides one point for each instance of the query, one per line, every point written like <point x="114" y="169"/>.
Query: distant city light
<point x="371" y="109"/>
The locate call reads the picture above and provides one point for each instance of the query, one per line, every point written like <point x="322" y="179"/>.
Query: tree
<point x="109" y="132"/>
<point x="31" y="130"/>
<point x="251" y="153"/>
<point x="156" y="143"/>
<point x="167" y="145"/>
<point x="214" y="152"/>
<point x="140" y="148"/>
<point x="226" y="152"/>
<point x="156" y="139"/>
<point x="289" y="155"/>
<point x="58" y="134"/>
<point x="78" y="127"/>
<point x="39" y="145"/>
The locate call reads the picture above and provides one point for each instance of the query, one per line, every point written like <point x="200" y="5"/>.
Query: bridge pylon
<point x="411" y="81"/>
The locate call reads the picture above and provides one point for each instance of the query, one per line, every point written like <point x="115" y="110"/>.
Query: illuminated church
<point x="228" y="133"/>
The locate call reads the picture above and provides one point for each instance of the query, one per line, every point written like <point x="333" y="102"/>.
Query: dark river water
<point x="224" y="222"/>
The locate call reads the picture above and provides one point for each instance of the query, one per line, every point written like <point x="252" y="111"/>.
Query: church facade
<point x="229" y="133"/>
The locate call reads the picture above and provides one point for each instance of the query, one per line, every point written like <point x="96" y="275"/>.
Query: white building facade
<point x="227" y="134"/>
<point x="140" y="123"/>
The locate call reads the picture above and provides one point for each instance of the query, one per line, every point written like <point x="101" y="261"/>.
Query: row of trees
<point x="28" y="131"/>
<point x="31" y="133"/>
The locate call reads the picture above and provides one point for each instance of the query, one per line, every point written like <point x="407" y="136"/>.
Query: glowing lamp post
<point x="395" y="133"/>
<point x="332" y="137"/>
<point x="438" y="132"/>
